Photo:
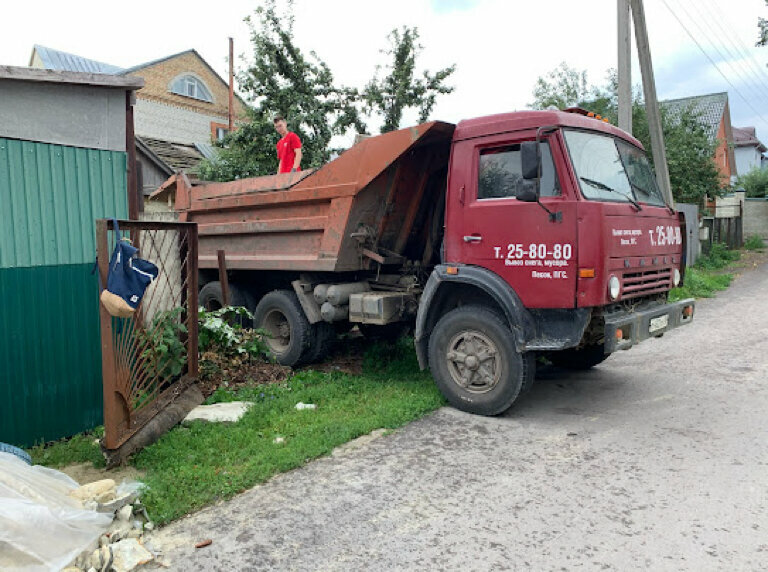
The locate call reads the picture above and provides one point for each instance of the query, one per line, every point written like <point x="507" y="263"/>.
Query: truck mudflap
<point x="625" y="329"/>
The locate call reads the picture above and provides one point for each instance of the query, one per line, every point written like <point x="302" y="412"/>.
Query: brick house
<point x="715" y="115"/>
<point x="182" y="108"/>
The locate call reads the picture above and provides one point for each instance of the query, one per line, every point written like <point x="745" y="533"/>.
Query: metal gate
<point x="151" y="358"/>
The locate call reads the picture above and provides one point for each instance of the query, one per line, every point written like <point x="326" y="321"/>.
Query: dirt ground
<point x="85" y="473"/>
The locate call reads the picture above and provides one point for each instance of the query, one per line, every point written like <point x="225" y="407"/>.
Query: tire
<point x="579" y="359"/>
<point x="280" y="314"/>
<point x="20" y="453"/>
<point x="322" y="340"/>
<point x="477" y="330"/>
<point x="211" y="298"/>
<point x="529" y="371"/>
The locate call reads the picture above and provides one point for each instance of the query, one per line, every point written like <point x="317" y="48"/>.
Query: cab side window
<point x="501" y="175"/>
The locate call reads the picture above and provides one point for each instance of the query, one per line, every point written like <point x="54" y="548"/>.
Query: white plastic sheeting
<point x="41" y="526"/>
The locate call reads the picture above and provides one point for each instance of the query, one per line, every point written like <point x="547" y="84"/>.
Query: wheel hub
<point x="474" y="361"/>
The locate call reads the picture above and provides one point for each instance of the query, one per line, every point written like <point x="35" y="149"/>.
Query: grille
<point x="636" y="284"/>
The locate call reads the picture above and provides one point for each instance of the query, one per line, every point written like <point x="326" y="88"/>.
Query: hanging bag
<point x="127" y="279"/>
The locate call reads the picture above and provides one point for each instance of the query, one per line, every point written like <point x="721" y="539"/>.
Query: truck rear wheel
<point x="280" y="315"/>
<point x="212" y="298"/>
<point x="473" y="359"/>
<point x="322" y="340"/>
<point x="580" y="359"/>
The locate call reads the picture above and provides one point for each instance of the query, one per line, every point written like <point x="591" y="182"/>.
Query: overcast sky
<point x="500" y="47"/>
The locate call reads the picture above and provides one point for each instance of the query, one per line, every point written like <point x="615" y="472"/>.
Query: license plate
<point x="658" y="324"/>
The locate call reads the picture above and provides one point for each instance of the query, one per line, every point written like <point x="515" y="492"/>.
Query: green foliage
<point x="165" y="355"/>
<point x="754" y="242"/>
<point x="719" y="257"/>
<point x="755" y="182"/>
<point x="221" y="331"/>
<point x="690" y="153"/>
<point x="693" y="172"/>
<point x="399" y="89"/>
<point x="81" y="448"/>
<point x="560" y="88"/>
<point x="281" y="80"/>
<point x="762" y="26"/>
<point x="700" y="283"/>
<point x="707" y="276"/>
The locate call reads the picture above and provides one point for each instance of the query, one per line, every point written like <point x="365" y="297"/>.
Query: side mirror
<point x="529" y="192"/>
<point x="530" y="160"/>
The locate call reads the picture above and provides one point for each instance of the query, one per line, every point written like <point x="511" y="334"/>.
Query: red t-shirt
<point x="286" y="151"/>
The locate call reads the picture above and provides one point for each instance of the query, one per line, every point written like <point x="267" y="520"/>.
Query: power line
<point x="695" y="41"/>
<point x="722" y="20"/>
<point x="749" y="75"/>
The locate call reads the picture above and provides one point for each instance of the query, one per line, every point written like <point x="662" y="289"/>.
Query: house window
<point x="191" y="86"/>
<point x="219" y="131"/>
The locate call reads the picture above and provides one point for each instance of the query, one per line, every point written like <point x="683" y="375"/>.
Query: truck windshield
<point x="610" y="169"/>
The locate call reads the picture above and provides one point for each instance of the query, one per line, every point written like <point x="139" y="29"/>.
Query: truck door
<point x="519" y="241"/>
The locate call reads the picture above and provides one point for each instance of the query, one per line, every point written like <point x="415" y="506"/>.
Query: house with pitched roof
<point x="748" y="150"/>
<point x="715" y="115"/>
<point x="182" y="108"/>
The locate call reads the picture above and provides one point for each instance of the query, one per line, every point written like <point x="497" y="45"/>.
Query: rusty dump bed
<point x="382" y="200"/>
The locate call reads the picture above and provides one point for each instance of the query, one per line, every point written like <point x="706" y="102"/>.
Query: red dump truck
<point x="499" y="239"/>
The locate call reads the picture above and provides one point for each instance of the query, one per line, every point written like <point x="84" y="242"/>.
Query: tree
<point x="399" y="88"/>
<point x="281" y="80"/>
<point x="762" y="26"/>
<point x="689" y="150"/>
<point x="755" y="182"/>
<point x="561" y="88"/>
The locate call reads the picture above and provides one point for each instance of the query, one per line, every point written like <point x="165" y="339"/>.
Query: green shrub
<point x="719" y="257"/>
<point x="754" y="242"/>
<point x="755" y="183"/>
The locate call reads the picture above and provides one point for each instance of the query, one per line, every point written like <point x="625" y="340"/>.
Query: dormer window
<point x="191" y="86"/>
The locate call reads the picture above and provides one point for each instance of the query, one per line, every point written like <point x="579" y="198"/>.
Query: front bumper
<point x="645" y="323"/>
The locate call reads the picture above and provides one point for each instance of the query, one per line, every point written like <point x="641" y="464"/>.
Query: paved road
<point x="657" y="459"/>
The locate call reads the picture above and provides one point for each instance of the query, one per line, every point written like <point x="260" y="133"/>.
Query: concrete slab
<point x="219" y="412"/>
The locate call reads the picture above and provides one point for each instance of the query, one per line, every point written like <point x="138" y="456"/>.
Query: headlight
<point x="676" y="278"/>
<point x="614" y="287"/>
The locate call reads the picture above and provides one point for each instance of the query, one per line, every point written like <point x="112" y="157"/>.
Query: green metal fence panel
<point x="49" y="197"/>
<point x="50" y="355"/>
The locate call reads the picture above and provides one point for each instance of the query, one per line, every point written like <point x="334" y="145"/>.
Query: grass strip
<point x="196" y="465"/>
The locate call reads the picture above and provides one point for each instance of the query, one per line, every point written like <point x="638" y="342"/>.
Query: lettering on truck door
<point x="515" y="239"/>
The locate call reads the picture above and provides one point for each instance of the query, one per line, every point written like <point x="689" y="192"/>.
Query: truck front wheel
<point x="280" y="315"/>
<point x="473" y="359"/>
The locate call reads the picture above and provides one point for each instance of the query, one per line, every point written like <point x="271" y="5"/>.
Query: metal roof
<point x="58" y="60"/>
<point x="709" y="108"/>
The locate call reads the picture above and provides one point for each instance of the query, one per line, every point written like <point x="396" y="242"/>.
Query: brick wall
<point x="158" y="78"/>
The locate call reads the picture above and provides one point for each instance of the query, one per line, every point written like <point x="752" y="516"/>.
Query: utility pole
<point x="231" y="117"/>
<point x="625" y="67"/>
<point x="651" y="102"/>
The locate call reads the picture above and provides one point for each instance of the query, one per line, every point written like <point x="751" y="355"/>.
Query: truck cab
<point x="558" y="213"/>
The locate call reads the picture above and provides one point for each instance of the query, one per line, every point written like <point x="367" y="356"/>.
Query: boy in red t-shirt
<point x="288" y="148"/>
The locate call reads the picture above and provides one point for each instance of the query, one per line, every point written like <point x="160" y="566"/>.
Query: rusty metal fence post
<point x="149" y="359"/>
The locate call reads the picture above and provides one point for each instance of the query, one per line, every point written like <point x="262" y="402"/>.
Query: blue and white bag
<point x="127" y="279"/>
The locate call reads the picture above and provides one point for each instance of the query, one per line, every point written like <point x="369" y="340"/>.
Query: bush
<point x="754" y="242"/>
<point x="755" y="182"/>
<point x="719" y="257"/>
